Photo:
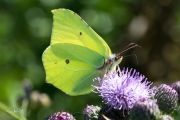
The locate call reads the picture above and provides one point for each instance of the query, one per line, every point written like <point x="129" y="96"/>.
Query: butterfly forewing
<point x="68" y="27"/>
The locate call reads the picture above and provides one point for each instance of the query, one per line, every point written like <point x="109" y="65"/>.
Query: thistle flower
<point x="60" y="116"/>
<point x="122" y="89"/>
<point x="176" y="86"/>
<point x="167" y="98"/>
<point x="145" y="109"/>
<point x="91" y="112"/>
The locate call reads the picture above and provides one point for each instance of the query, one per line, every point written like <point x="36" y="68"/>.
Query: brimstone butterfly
<point x="76" y="54"/>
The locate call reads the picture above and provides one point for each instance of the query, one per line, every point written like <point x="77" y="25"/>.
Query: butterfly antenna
<point x="128" y="47"/>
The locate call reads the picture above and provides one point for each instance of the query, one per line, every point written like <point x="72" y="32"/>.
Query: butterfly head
<point x="115" y="59"/>
<point x="112" y="62"/>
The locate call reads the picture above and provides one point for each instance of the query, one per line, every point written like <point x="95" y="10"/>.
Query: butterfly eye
<point x="117" y="58"/>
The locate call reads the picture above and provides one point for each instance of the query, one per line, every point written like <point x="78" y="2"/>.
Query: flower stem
<point x="7" y="110"/>
<point x="25" y="103"/>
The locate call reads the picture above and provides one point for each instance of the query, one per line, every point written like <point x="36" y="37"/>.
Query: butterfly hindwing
<point x="71" y="68"/>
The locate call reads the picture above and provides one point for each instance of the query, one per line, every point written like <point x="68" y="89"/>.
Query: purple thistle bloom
<point x="60" y="116"/>
<point x="91" y="112"/>
<point x="122" y="89"/>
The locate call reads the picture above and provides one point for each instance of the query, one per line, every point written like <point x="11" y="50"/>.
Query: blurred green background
<point x="25" y="30"/>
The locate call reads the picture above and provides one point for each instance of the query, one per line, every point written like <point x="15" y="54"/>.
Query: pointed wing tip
<point x="59" y="9"/>
<point x="54" y="10"/>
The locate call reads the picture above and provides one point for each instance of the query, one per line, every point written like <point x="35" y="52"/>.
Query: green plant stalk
<point x="25" y="103"/>
<point x="7" y="110"/>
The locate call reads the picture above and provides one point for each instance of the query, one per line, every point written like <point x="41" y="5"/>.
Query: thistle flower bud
<point x="145" y="109"/>
<point x="176" y="86"/>
<point x="60" y="116"/>
<point x="39" y="100"/>
<point x="91" y="112"/>
<point x="27" y="88"/>
<point x="167" y="98"/>
<point x="112" y="113"/>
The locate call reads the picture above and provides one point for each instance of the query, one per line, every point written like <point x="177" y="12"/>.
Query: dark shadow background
<point x="25" y="30"/>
